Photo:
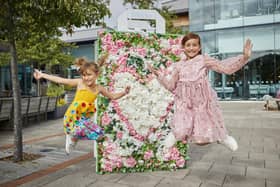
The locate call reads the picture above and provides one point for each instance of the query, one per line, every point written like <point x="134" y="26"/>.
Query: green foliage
<point x="68" y="88"/>
<point x="61" y="102"/>
<point x="147" y="4"/>
<point x="164" y="12"/>
<point x="55" y="90"/>
<point x="41" y="21"/>
<point x="36" y="25"/>
<point x="169" y="16"/>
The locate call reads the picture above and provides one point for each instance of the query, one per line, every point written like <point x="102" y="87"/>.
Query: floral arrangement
<point x="137" y="124"/>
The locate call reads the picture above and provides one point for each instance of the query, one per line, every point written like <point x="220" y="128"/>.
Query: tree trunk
<point x="18" y="155"/>
<point x="17" y="104"/>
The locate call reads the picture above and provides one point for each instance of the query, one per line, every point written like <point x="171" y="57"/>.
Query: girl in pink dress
<point x="197" y="117"/>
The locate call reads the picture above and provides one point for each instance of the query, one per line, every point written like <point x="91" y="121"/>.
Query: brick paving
<point x="255" y="164"/>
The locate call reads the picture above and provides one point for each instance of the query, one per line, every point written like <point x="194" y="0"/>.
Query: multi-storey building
<point x="224" y="25"/>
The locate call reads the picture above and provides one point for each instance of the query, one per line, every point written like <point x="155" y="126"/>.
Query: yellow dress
<point x="77" y="120"/>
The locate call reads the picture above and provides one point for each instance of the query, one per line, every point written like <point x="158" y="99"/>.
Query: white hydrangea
<point x="145" y="104"/>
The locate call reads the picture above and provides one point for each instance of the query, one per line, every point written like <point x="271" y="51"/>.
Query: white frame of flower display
<point x="128" y="137"/>
<point x="138" y="20"/>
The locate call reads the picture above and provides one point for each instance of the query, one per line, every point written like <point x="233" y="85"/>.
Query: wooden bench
<point x="52" y="104"/>
<point x="30" y="107"/>
<point x="6" y="108"/>
<point x="33" y="108"/>
<point x="44" y="107"/>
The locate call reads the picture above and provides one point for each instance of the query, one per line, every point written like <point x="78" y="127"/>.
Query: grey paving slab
<point x="216" y="178"/>
<point x="140" y="179"/>
<point x="187" y="182"/>
<point x="259" y="163"/>
<point x="244" y="181"/>
<point x="207" y="184"/>
<point x="264" y="156"/>
<point x="178" y="174"/>
<point x="272" y="165"/>
<point x="272" y="183"/>
<point x="109" y="184"/>
<point x="275" y="150"/>
<point x="201" y="165"/>
<point x="229" y="169"/>
<point x="113" y="177"/>
<point x="263" y="173"/>
<point x="256" y="162"/>
<point x="70" y="180"/>
<point x="43" y="181"/>
<point x="84" y="168"/>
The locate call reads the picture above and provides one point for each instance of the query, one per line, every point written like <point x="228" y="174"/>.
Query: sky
<point x="116" y="8"/>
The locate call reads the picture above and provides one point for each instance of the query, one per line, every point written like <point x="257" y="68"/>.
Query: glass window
<point x="277" y="36"/>
<point x="208" y="12"/>
<point x="277" y="56"/>
<point x="267" y="6"/>
<point x="196" y="15"/>
<point x="228" y="13"/>
<point x="251" y="8"/>
<point x="230" y="41"/>
<point x="261" y="72"/>
<point x="258" y="12"/>
<point x="229" y="44"/>
<point x="230" y="9"/>
<point x="85" y="50"/>
<point x="208" y="42"/>
<point x="262" y="37"/>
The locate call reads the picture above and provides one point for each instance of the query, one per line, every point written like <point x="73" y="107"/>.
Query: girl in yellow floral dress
<point x="77" y="122"/>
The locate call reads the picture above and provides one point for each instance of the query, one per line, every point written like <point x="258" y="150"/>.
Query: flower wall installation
<point x="137" y="124"/>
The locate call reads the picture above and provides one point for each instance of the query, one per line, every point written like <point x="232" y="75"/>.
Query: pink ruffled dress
<point x="197" y="113"/>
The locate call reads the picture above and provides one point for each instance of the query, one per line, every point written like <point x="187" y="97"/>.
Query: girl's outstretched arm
<point x="112" y="95"/>
<point x="230" y="65"/>
<point x="70" y="82"/>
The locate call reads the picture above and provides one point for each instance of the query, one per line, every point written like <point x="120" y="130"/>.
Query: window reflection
<point x="224" y="29"/>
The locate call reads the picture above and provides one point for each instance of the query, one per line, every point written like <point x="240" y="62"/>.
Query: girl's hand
<point x="247" y="50"/>
<point x="37" y="74"/>
<point x="152" y="69"/>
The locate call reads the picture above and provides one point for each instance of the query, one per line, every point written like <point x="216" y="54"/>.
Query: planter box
<point x="58" y="113"/>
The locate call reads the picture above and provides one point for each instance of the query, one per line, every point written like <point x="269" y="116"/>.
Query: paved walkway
<point x="256" y="163"/>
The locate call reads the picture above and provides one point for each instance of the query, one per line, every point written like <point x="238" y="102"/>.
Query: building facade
<point x="224" y="25"/>
<point x="181" y="9"/>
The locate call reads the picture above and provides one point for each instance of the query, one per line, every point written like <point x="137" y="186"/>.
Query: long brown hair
<point x="189" y="36"/>
<point x="83" y="64"/>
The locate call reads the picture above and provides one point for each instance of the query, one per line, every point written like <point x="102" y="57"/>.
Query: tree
<point x="139" y="4"/>
<point x="165" y="12"/>
<point x="35" y="50"/>
<point x="21" y="20"/>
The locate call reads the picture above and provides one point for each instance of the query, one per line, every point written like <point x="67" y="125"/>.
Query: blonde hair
<point x="83" y="64"/>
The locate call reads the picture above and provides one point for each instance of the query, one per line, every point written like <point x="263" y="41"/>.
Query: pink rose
<point x="119" y="135"/>
<point x="107" y="165"/>
<point x="174" y="153"/>
<point x="148" y="154"/>
<point x="105" y="120"/>
<point x="141" y="51"/>
<point x="180" y="162"/>
<point x="119" y="44"/>
<point x="130" y="162"/>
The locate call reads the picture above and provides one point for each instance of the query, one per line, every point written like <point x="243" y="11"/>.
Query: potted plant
<point x="56" y="90"/>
